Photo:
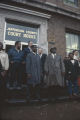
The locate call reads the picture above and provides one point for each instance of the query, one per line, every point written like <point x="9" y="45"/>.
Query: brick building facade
<point x="57" y="22"/>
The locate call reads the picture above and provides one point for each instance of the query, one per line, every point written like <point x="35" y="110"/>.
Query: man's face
<point x="71" y="56"/>
<point x="34" y="49"/>
<point x="30" y="44"/>
<point x="18" y="46"/>
<point x="76" y="53"/>
<point x="40" y="51"/>
<point x="54" y="51"/>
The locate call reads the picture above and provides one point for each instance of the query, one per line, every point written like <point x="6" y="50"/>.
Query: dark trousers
<point x="72" y="87"/>
<point x="15" y="74"/>
<point x="33" y="92"/>
<point x="2" y="88"/>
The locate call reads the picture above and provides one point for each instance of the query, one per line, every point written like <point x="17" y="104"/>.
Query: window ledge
<point x="71" y="5"/>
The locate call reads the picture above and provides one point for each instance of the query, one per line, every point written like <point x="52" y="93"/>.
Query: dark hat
<point x="34" y="46"/>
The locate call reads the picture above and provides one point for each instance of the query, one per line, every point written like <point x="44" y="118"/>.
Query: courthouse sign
<point x="22" y="33"/>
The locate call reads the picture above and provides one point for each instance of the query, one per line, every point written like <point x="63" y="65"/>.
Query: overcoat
<point x="33" y="67"/>
<point x="54" y="67"/>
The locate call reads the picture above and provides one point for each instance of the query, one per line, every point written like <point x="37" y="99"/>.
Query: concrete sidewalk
<point x="46" y="111"/>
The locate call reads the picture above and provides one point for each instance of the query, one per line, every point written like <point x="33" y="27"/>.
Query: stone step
<point x="43" y="100"/>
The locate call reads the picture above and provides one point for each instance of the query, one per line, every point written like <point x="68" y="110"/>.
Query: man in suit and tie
<point x="72" y="68"/>
<point x="33" y="71"/>
<point x="54" y="68"/>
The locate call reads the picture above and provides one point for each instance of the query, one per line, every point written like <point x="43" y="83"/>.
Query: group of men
<point x="39" y="68"/>
<point x="34" y="64"/>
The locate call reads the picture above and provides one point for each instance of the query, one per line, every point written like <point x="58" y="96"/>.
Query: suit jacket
<point x="43" y="59"/>
<point x="72" y="70"/>
<point x="33" y="67"/>
<point x="54" y="67"/>
<point x="27" y="51"/>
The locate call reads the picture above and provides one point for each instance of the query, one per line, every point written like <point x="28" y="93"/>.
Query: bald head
<point x="30" y="43"/>
<point x="40" y="51"/>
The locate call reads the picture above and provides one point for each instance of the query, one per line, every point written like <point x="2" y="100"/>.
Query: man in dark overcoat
<point x="33" y="70"/>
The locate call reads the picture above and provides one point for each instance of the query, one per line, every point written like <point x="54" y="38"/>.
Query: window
<point x="71" y="2"/>
<point x="72" y="42"/>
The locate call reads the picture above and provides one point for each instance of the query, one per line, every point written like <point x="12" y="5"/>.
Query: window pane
<point x="76" y="42"/>
<point x="68" y="42"/>
<point x="72" y="42"/>
<point x="71" y="2"/>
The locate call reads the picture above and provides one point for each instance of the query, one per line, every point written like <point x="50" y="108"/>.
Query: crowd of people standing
<point x="39" y="69"/>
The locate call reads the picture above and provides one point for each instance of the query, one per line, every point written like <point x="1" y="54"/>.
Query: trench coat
<point x="33" y="67"/>
<point x="54" y="67"/>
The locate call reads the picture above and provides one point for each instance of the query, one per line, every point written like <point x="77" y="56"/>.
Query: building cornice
<point x="53" y="8"/>
<point x="22" y="10"/>
<point x="44" y="6"/>
<point x="49" y="7"/>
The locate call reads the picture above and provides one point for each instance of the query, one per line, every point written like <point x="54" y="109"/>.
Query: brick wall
<point x="57" y="28"/>
<point x="61" y="4"/>
<point x="57" y="25"/>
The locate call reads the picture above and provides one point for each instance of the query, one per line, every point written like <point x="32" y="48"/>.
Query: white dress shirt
<point x="40" y="55"/>
<point x="53" y="55"/>
<point x="75" y="57"/>
<point x="72" y="61"/>
<point x="4" y="60"/>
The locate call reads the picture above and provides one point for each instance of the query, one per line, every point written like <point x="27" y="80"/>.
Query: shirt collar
<point x="40" y="55"/>
<point x="17" y="50"/>
<point x="53" y="54"/>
